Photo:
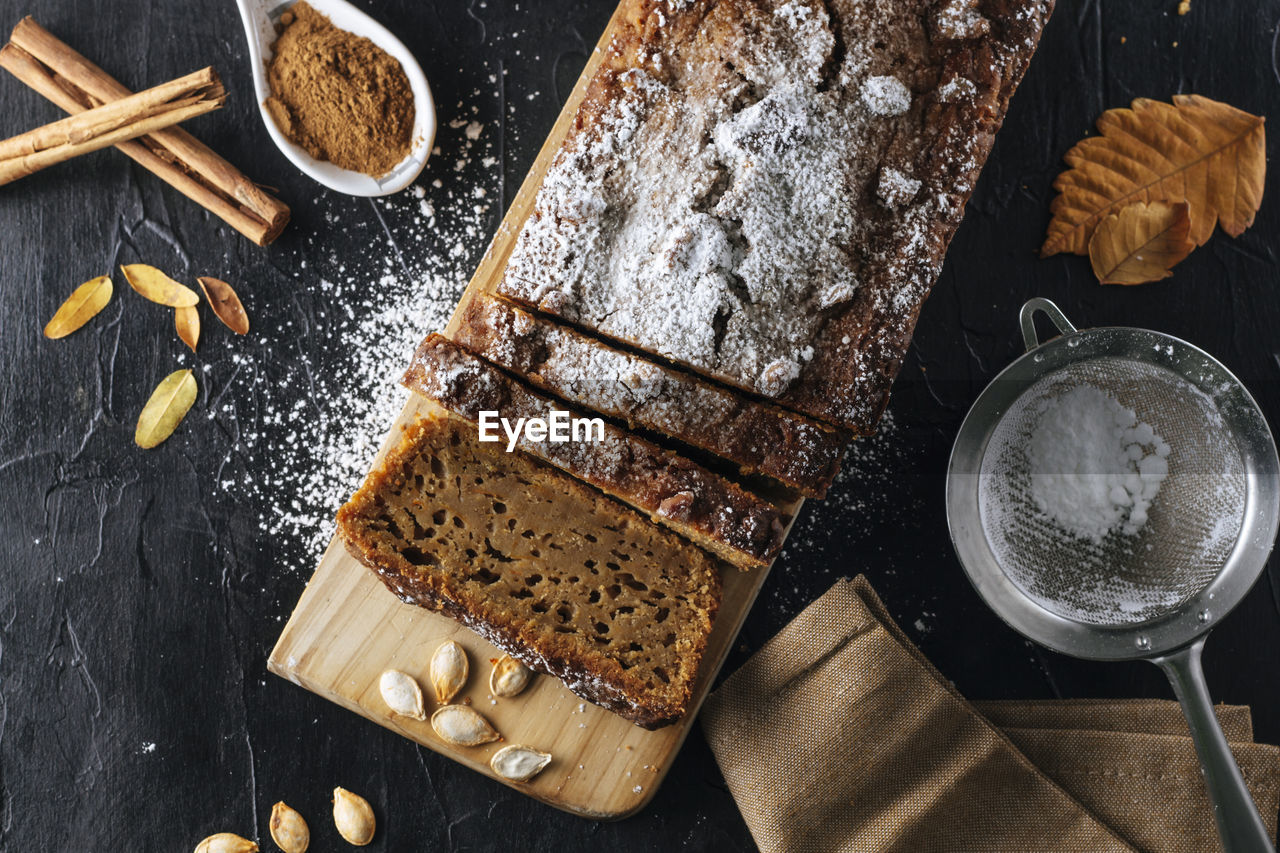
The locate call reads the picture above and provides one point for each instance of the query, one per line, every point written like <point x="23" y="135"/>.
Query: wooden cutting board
<point x="348" y="628"/>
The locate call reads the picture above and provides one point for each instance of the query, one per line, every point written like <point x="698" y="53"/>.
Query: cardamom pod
<point x="289" y="830"/>
<point x="519" y="763"/>
<point x="463" y="726"/>
<point x="402" y="694"/>
<point x="353" y="816"/>
<point x="509" y="677"/>
<point x="449" y="670"/>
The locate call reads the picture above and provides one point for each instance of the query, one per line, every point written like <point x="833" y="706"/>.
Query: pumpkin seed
<point x="449" y="669"/>
<point x="225" y="304"/>
<point x="463" y="726"/>
<point x="353" y="816"/>
<point x="81" y="306"/>
<point x="166" y="408"/>
<point x="402" y="694"/>
<point x="509" y="677"/>
<point x="158" y="287"/>
<point x="226" y="842"/>
<point x="289" y="830"/>
<point x="519" y="763"/>
<point x="187" y="322"/>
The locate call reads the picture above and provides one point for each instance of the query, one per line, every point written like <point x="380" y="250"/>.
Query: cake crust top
<point x="763" y="190"/>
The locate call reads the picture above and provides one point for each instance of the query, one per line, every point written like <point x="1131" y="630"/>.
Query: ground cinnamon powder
<point x="338" y="95"/>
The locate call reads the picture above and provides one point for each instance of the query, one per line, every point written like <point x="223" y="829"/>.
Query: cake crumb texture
<point x="566" y="580"/>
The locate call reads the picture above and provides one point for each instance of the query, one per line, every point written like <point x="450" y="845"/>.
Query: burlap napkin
<point x="1140" y="716"/>
<point x="1132" y="763"/>
<point x="840" y="735"/>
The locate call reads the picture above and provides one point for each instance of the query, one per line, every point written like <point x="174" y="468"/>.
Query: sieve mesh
<point x="1125" y="578"/>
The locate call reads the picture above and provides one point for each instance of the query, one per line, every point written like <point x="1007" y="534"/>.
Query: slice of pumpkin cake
<point x="549" y="570"/>
<point x="727" y="519"/>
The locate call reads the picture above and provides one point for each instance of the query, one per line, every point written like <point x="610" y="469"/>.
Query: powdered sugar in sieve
<point x="1076" y="503"/>
<point x="1095" y="467"/>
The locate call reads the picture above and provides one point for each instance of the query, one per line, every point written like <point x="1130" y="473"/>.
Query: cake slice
<point x="763" y="190"/>
<point x="566" y="580"/>
<point x="756" y="437"/>
<point x="674" y="491"/>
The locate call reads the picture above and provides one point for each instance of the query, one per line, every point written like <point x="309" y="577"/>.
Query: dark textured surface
<point x="137" y="603"/>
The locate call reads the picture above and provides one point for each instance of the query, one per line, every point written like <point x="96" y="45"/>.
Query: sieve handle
<point x="1027" y="318"/>
<point x="1239" y="824"/>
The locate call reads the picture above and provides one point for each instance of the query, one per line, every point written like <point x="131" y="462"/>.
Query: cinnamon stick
<point x="53" y="69"/>
<point x="128" y="118"/>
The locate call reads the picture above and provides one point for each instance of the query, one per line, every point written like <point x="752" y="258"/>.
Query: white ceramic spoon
<point x="259" y="18"/>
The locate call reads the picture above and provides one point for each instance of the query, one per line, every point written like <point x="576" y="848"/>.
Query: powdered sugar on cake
<point x="895" y="188"/>
<point x="582" y="370"/>
<point x="886" y="96"/>
<point x="719" y="208"/>
<point x="729" y="262"/>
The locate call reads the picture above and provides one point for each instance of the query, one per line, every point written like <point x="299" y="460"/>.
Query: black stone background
<point x="137" y="604"/>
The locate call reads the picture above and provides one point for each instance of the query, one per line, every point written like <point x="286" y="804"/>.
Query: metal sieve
<point x="1149" y="593"/>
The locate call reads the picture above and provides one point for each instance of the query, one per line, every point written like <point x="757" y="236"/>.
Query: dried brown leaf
<point x="158" y="287"/>
<point x="81" y="306"/>
<point x="1204" y="152"/>
<point x="1141" y="243"/>
<point x="187" y="322"/>
<point x="226" y="304"/>
<point x="166" y="408"/>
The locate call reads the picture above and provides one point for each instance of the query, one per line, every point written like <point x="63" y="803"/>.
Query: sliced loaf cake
<point x="763" y="190"/>
<point x="714" y="512"/>
<point x="756" y="437"/>
<point x="566" y="580"/>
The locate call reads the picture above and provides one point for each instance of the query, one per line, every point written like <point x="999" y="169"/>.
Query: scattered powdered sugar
<point x="358" y="317"/>
<point x="1095" y="468"/>
<point x="809" y="32"/>
<point x="885" y="478"/>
